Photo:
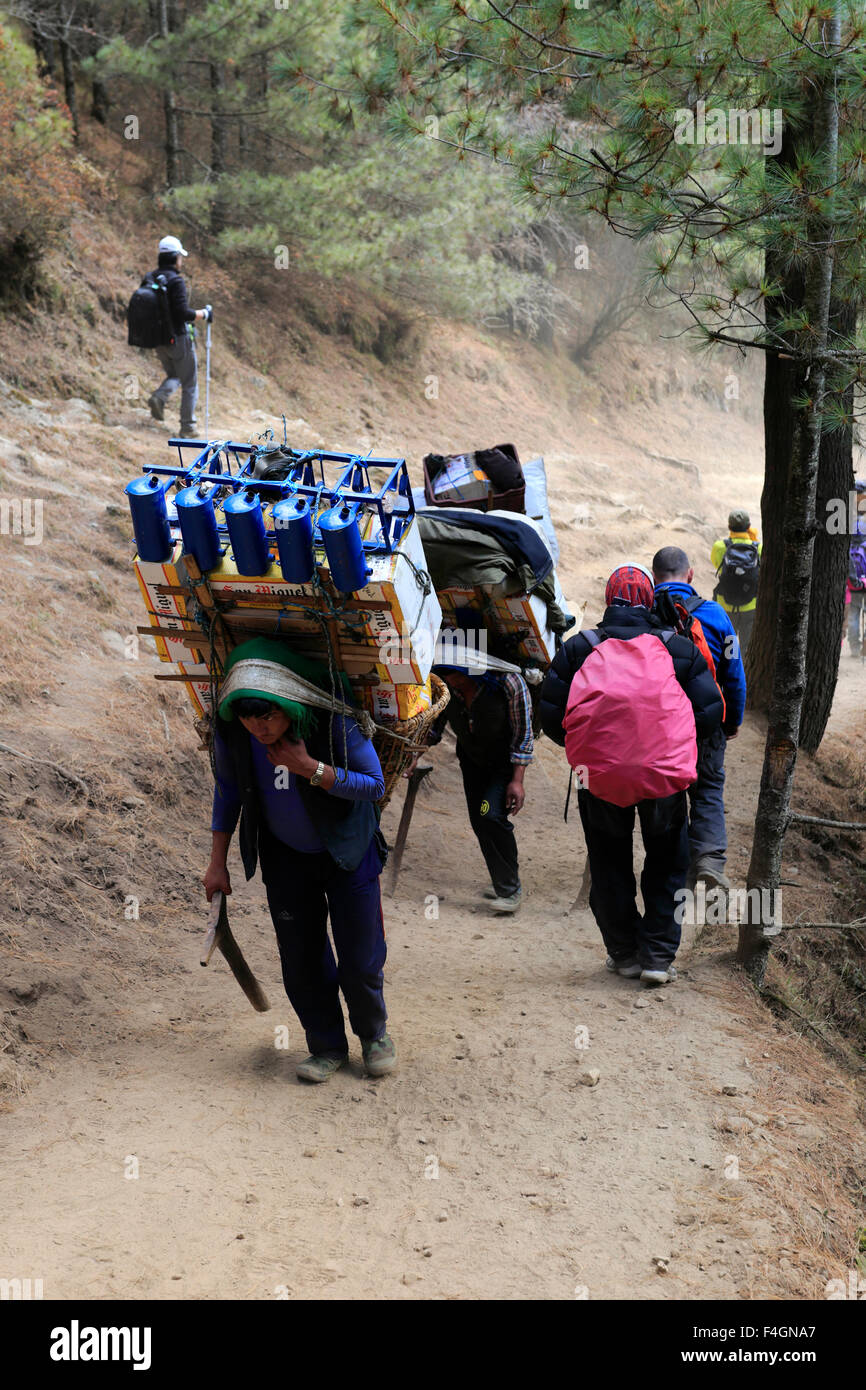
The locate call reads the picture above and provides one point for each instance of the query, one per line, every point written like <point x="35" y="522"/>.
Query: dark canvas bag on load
<point x="738" y="573"/>
<point x="147" y="316"/>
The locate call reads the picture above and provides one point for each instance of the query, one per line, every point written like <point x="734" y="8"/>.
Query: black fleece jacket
<point x="178" y="305"/>
<point x="690" y="670"/>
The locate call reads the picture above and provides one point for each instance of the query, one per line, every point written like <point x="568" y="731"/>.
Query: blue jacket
<point x="721" y="640"/>
<point x="345" y="827"/>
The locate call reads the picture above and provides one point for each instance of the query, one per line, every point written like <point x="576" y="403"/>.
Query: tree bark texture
<point x="169" y="110"/>
<point x="829" y="564"/>
<point x="784" y="380"/>
<point x="789" y="677"/>
<point x="67" y="62"/>
<point x="219" y="145"/>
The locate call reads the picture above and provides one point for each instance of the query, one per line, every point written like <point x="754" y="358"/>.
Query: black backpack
<point x="738" y="573"/>
<point x="147" y="316"/>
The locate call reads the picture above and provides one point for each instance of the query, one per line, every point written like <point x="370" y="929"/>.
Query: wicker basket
<point x="398" y="746"/>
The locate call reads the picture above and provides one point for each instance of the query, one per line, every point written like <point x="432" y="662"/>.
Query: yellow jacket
<point x="717" y="555"/>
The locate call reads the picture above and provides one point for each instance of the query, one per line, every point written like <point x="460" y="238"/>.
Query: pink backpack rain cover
<point x="629" y="723"/>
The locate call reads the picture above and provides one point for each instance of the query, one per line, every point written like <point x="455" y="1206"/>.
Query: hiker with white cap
<point x="176" y="352"/>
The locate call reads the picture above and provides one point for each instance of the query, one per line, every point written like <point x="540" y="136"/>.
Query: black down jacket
<point x="690" y="670"/>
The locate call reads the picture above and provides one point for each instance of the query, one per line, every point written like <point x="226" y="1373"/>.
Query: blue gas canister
<point x="293" y="526"/>
<point x="198" y="525"/>
<point x="149" y="518"/>
<point x="243" y="514"/>
<point x="343" y="547"/>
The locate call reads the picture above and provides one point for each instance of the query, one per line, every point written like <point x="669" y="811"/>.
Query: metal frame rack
<point x="391" y="501"/>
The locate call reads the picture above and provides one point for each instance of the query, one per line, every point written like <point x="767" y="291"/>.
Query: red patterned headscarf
<point x="630" y="586"/>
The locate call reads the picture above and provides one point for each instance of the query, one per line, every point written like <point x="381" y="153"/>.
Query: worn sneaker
<point x="510" y="904"/>
<point x="320" y="1068"/>
<point x="630" y="968"/>
<point x="380" y="1055"/>
<point x="658" y="977"/>
<point x="157" y="407"/>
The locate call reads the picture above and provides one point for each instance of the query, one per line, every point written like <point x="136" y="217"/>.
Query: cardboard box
<point x="401" y="636"/>
<point x="388" y="701"/>
<point x="527" y="613"/>
<point x="507" y="616"/>
<point x="198" y="691"/>
<point x="397" y="632"/>
<point x="391" y="646"/>
<point x="164" y="610"/>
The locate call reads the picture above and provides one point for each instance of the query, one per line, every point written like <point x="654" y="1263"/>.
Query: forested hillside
<point x="374" y="223"/>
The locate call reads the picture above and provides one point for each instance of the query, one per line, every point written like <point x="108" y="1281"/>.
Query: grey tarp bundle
<point x="537" y="505"/>
<point x="464" y="558"/>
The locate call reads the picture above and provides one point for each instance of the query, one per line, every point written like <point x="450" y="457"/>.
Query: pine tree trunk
<point x="99" y="102"/>
<point x="99" y="99"/>
<point x="265" y="140"/>
<point x="169" y="110"/>
<point x="783" y="381"/>
<point x="172" y="144"/>
<point x="219" y="145"/>
<point x="829" y="566"/>
<point x="44" y="50"/>
<point x="67" y="61"/>
<point x="789" y="677"/>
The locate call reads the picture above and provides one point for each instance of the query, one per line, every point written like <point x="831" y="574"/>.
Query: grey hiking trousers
<point x="181" y="369"/>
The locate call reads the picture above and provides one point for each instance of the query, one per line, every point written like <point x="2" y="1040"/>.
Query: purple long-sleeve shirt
<point x="283" y="808"/>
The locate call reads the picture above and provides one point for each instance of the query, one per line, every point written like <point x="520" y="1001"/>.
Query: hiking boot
<point x="157" y="407"/>
<point x="629" y="968"/>
<point x="659" y="977"/>
<point x="380" y="1055"/>
<point x="503" y="905"/>
<point x="714" y="878"/>
<point x="320" y="1068"/>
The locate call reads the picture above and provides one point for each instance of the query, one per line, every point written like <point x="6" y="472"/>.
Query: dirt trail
<point x="167" y="1150"/>
<point x="248" y="1181"/>
<point x="483" y="1169"/>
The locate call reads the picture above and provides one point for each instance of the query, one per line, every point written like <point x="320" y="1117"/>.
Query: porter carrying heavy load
<point x="321" y="549"/>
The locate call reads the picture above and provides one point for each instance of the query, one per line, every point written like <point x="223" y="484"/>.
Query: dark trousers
<point x="178" y="361"/>
<point x="655" y="937"/>
<point x="708" y="839"/>
<point x="485" y="801"/>
<point x="858" y="599"/>
<point x="742" y="621"/>
<point x="302" y="889"/>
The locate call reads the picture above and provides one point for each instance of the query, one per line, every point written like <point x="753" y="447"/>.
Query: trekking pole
<point x="207" y="375"/>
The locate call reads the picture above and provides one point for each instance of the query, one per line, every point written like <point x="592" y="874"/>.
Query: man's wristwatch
<point x="317" y="775"/>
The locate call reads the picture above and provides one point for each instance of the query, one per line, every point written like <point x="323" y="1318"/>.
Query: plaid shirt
<point x="519" y="716"/>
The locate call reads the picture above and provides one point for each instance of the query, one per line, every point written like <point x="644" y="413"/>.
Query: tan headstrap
<point x="272" y="679"/>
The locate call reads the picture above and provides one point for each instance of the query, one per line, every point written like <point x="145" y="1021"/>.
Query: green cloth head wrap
<point x="303" y="718"/>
